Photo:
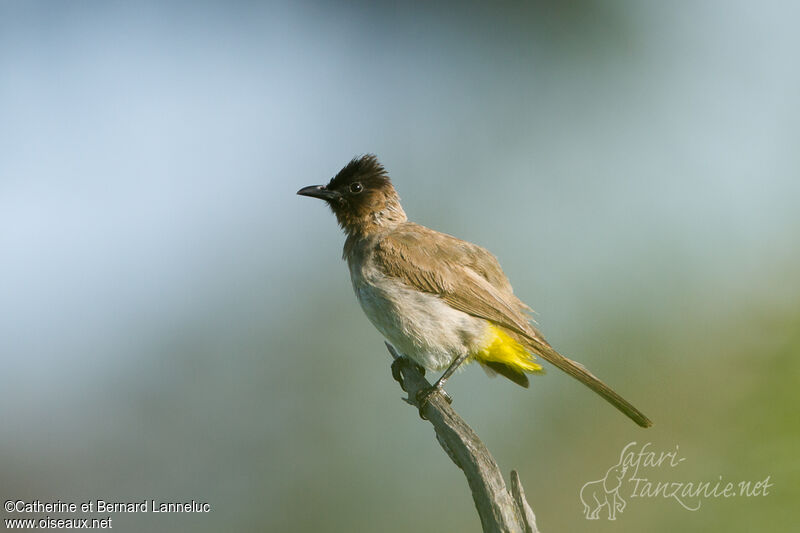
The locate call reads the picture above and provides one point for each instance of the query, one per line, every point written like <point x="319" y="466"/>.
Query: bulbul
<point x="438" y="300"/>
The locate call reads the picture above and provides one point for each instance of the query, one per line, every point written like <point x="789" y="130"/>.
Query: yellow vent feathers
<point x="501" y="348"/>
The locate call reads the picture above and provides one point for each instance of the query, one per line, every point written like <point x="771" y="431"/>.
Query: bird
<point x="438" y="300"/>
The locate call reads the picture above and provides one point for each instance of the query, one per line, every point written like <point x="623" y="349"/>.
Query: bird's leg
<point x="424" y="395"/>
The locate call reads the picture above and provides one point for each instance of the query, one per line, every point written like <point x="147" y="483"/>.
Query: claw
<point x="424" y="396"/>
<point x="397" y="369"/>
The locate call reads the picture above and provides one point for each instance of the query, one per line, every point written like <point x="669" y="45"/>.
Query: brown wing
<point x="466" y="276"/>
<point x="470" y="279"/>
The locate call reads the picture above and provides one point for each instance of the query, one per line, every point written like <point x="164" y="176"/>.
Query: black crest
<point x="365" y="169"/>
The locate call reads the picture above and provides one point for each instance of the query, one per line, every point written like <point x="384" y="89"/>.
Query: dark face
<point x="360" y="189"/>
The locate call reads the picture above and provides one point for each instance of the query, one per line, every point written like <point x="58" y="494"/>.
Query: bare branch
<point x="519" y="497"/>
<point x="499" y="509"/>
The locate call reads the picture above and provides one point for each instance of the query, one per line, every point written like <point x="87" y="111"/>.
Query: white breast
<point x="419" y="325"/>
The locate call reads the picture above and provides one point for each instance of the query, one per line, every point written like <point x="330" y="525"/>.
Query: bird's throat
<point x="365" y="223"/>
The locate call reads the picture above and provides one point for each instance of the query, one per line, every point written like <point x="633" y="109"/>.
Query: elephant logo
<point x="604" y="493"/>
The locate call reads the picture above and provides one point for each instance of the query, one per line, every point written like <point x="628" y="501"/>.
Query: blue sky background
<point x="175" y="322"/>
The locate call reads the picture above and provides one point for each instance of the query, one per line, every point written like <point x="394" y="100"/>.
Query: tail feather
<point x="507" y="371"/>
<point x="579" y="372"/>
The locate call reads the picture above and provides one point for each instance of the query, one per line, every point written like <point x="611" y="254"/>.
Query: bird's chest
<point x="419" y="324"/>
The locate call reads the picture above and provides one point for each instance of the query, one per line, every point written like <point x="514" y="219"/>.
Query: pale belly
<point x="419" y="325"/>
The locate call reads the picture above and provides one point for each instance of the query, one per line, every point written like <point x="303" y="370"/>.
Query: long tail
<point x="579" y="372"/>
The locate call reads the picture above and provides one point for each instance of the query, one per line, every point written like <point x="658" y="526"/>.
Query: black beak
<point x="318" y="191"/>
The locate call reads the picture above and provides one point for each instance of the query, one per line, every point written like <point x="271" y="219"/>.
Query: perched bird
<point x="438" y="300"/>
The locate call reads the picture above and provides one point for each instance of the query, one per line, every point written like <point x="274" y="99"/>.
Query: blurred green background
<point x="175" y="323"/>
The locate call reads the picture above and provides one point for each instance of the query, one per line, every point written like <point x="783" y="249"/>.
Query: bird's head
<point x="361" y="196"/>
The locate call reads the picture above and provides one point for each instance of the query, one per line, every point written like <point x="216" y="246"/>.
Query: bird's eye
<point x="356" y="187"/>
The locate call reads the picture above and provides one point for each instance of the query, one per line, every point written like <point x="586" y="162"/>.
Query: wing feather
<point x="466" y="276"/>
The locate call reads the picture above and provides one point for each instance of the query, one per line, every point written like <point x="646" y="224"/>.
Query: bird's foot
<point x="424" y="396"/>
<point x="397" y="369"/>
